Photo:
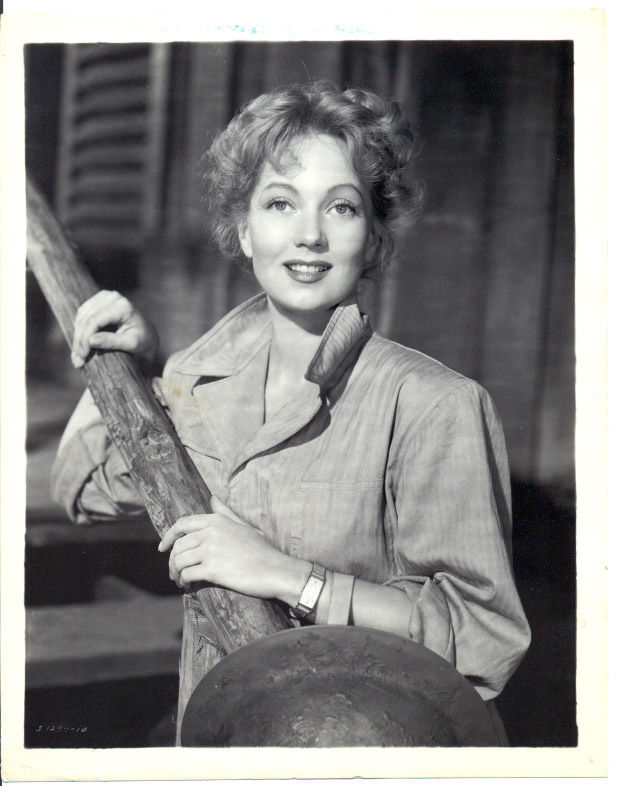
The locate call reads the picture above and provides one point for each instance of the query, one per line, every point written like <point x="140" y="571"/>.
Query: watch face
<point x="310" y="594"/>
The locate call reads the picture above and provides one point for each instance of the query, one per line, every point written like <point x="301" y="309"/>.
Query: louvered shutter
<point x="112" y="143"/>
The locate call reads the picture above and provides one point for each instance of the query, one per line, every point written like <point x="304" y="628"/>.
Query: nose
<point x="309" y="230"/>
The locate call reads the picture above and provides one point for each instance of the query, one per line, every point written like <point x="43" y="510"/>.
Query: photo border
<point x="587" y="30"/>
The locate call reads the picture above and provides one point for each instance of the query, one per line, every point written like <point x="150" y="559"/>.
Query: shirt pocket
<point x="341" y="523"/>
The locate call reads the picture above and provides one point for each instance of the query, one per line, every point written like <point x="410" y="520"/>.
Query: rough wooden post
<point x="168" y="481"/>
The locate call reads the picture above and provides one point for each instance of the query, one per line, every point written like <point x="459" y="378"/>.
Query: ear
<point x="244" y="237"/>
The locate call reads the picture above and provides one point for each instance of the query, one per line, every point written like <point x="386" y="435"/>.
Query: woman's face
<point x="308" y="229"/>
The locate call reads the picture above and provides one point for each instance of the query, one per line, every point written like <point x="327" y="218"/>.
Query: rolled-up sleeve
<point x="89" y="477"/>
<point x="450" y="498"/>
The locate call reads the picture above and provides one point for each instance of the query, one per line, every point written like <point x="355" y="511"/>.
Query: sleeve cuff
<point x="430" y="619"/>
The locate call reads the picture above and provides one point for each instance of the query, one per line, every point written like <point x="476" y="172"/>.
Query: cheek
<point x="355" y="241"/>
<point x="268" y="240"/>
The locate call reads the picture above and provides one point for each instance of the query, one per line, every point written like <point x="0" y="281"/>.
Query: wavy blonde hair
<point x="378" y="139"/>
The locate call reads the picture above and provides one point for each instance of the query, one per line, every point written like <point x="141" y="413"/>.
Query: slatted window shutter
<point x="111" y="153"/>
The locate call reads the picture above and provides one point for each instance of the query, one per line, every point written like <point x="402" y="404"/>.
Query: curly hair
<point x="378" y="139"/>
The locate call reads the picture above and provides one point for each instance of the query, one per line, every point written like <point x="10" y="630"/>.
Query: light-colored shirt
<point x="386" y="465"/>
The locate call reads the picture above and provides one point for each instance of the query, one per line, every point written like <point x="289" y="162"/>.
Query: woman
<point x="355" y="480"/>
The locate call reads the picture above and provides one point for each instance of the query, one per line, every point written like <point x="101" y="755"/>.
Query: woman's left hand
<point x="222" y="549"/>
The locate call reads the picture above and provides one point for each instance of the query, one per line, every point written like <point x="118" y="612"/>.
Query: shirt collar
<point x="239" y="336"/>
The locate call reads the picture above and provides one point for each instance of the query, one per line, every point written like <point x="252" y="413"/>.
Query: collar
<point x="238" y="337"/>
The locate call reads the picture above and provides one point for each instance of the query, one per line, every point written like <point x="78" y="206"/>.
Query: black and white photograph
<point x="300" y="396"/>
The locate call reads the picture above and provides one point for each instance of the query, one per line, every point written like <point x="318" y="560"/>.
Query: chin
<point x="313" y="305"/>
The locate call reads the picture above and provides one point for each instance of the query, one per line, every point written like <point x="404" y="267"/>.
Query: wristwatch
<point x="311" y="593"/>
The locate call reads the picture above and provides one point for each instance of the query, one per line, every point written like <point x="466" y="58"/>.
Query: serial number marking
<point x="60" y="727"/>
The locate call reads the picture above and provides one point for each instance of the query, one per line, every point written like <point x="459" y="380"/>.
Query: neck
<point x="295" y="341"/>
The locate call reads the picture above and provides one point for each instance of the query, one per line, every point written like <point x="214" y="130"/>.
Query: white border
<point x="586" y="28"/>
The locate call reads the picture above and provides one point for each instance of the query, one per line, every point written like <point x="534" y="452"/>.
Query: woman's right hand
<point x="108" y="320"/>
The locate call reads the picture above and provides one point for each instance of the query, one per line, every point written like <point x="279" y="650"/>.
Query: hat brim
<point x="335" y="686"/>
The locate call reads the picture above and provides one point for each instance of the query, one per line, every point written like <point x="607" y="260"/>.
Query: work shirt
<point x="386" y="466"/>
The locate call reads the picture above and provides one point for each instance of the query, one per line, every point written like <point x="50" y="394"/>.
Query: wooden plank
<point x="168" y="481"/>
<point x="49" y="532"/>
<point x="76" y="644"/>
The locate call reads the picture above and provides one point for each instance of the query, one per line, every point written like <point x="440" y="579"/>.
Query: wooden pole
<point x="167" y="479"/>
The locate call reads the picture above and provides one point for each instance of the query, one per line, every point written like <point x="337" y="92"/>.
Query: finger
<point x="108" y="310"/>
<point x="193" y="573"/>
<point x="93" y="305"/>
<point x="100" y="300"/>
<point x="77" y="360"/>
<point x="174" y="575"/>
<point x="185" y="543"/>
<point x="174" y="568"/>
<point x="186" y="559"/>
<point x="125" y="342"/>
<point x="183" y="526"/>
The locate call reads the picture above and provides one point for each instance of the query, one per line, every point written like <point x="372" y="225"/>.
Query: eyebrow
<point x="290" y="187"/>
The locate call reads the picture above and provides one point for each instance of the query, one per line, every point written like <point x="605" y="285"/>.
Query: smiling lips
<point x="307" y="272"/>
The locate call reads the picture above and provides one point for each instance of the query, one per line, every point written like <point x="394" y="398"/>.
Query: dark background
<point x="484" y="283"/>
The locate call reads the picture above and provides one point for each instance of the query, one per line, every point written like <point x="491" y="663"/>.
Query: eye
<point x="344" y="208"/>
<point x="280" y="205"/>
